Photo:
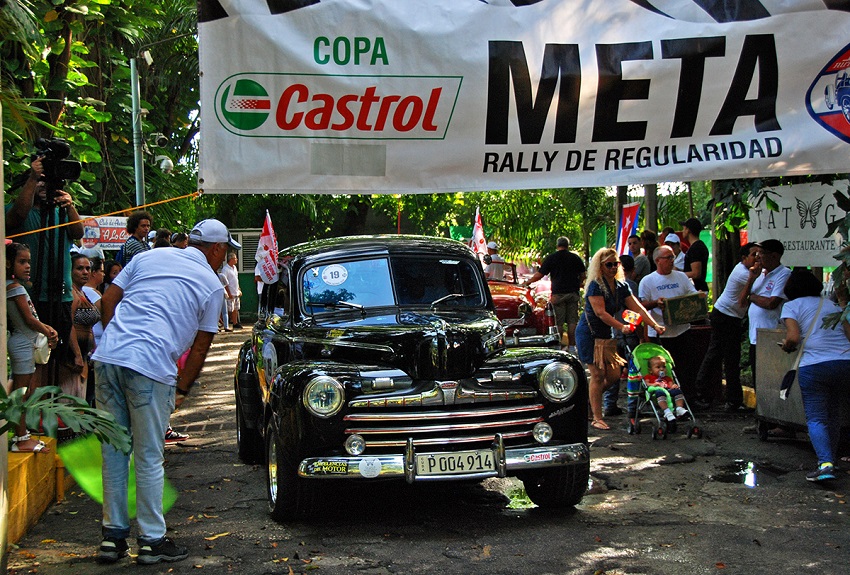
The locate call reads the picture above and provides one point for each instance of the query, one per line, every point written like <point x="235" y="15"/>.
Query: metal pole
<point x="138" y="159"/>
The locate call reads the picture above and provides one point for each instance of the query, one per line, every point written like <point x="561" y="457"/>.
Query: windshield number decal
<point x="334" y="275"/>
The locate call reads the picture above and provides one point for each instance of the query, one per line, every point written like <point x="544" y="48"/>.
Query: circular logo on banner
<point x="334" y="275"/>
<point x="244" y="104"/>
<point x="91" y="233"/>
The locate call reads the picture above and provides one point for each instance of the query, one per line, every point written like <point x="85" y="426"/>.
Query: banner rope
<point x="192" y="195"/>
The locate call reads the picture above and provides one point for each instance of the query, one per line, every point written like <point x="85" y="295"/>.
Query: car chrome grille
<point x="472" y="426"/>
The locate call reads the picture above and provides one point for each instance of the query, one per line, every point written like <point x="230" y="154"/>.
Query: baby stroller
<point x="641" y="395"/>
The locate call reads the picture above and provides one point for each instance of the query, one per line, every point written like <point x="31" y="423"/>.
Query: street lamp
<point x="138" y="114"/>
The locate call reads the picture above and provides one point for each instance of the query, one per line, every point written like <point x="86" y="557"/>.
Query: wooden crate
<point x="32" y="488"/>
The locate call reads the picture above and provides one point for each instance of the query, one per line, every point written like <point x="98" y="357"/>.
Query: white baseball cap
<point x="493" y="246"/>
<point x="213" y="232"/>
<point x="671" y="239"/>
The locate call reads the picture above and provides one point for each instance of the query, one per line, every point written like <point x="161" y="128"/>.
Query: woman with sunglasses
<point x="605" y="293"/>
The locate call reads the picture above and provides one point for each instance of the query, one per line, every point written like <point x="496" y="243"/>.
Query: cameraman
<point x="28" y="212"/>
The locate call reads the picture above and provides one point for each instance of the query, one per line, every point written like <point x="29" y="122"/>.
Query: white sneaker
<point x="668" y="415"/>
<point x="681" y="411"/>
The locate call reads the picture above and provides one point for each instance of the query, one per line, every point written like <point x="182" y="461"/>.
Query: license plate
<point x="455" y="463"/>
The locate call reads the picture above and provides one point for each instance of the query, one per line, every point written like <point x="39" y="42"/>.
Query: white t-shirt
<point x="169" y="295"/>
<point x="823" y="344"/>
<point x="768" y="285"/>
<point x="727" y="303"/>
<point x="656" y="286"/>
<point x="496" y="268"/>
<point x="232" y="277"/>
<point x="679" y="262"/>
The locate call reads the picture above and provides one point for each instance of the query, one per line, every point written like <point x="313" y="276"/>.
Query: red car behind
<point x="528" y="320"/>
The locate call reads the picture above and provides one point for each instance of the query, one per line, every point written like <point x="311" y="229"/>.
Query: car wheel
<point x="845" y="107"/>
<point x="557" y="488"/>
<point x="289" y="496"/>
<point x="249" y="443"/>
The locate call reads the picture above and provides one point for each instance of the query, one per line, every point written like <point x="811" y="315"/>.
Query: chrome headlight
<point x="558" y="382"/>
<point x="324" y="396"/>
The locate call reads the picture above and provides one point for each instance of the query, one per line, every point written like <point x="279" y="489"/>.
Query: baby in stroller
<point x="664" y="388"/>
<point x="652" y="382"/>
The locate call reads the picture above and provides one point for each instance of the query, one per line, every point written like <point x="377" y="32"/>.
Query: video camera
<point x="57" y="169"/>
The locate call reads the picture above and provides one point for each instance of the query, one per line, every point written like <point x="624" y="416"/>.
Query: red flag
<point x="267" y="253"/>
<point x="479" y="242"/>
<point x="628" y="226"/>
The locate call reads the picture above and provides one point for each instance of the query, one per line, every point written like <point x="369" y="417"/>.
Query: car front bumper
<point x="508" y="461"/>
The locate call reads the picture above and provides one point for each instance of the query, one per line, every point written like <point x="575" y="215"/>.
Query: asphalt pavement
<point x="726" y="503"/>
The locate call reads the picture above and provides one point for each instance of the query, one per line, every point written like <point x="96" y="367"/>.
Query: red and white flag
<point x="628" y="226"/>
<point x="267" y="253"/>
<point x="479" y="242"/>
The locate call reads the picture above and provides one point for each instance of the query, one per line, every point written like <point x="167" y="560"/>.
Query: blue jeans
<point x="144" y="407"/>
<point x="822" y="386"/>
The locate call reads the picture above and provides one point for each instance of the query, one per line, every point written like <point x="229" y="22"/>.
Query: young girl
<point x="24" y="326"/>
<point x="658" y="378"/>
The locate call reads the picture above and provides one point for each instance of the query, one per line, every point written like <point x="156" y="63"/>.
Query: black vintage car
<point x="381" y="357"/>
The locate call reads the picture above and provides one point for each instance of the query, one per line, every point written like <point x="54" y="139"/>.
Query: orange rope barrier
<point x="192" y="195"/>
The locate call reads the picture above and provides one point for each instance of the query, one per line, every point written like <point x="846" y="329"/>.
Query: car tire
<point x="557" y="488"/>
<point x="249" y="442"/>
<point x="289" y="496"/>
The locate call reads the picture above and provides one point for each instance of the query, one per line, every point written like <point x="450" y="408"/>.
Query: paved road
<point x="657" y="507"/>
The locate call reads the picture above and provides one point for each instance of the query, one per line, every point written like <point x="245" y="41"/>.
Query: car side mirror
<point x="488" y="259"/>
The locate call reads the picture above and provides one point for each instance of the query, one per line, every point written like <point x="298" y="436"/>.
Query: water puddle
<point x="747" y="473"/>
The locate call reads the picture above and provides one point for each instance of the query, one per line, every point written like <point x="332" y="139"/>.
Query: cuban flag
<point x="479" y="242"/>
<point x="628" y="226"/>
<point x="267" y="253"/>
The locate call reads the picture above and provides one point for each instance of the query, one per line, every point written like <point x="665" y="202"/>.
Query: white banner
<point x="105" y="232"/>
<point x="388" y="96"/>
<point x="801" y="222"/>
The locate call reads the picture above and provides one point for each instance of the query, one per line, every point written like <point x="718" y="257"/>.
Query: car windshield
<point x="366" y="283"/>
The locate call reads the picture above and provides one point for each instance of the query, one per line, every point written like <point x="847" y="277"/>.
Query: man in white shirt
<point x="724" y="349"/>
<point x="672" y="240"/>
<point x="654" y="289"/>
<point x="495" y="270"/>
<point x="231" y="274"/>
<point x="765" y="290"/>
<point x="163" y="303"/>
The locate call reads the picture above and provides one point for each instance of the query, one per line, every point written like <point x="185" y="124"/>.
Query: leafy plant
<point x="47" y="404"/>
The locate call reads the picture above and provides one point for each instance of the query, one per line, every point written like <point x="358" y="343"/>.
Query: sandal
<point x="600" y="425"/>
<point x="37" y="448"/>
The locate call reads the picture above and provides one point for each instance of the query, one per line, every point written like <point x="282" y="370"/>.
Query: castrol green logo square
<point x="355" y="107"/>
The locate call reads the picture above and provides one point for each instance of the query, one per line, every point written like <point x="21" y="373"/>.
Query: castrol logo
<point x="370" y="107"/>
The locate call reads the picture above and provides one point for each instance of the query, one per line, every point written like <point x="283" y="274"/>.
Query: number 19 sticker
<point x="334" y="275"/>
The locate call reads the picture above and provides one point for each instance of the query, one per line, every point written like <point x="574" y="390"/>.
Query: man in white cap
<point x="672" y="240"/>
<point x="161" y="304"/>
<point x="495" y="270"/>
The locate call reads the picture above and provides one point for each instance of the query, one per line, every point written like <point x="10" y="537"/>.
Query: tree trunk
<point x="724" y="254"/>
<point x="651" y="203"/>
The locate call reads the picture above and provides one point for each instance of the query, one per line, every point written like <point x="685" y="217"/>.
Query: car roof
<point x="376" y="244"/>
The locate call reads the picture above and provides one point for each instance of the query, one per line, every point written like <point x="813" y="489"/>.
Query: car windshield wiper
<point x="338" y="305"/>
<point x="450" y="297"/>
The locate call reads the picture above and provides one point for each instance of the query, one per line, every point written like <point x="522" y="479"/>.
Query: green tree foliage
<point x="65" y="73"/>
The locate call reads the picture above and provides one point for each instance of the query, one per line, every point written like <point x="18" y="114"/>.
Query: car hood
<point x="425" y="345"/>
<point x="504" y="292"/>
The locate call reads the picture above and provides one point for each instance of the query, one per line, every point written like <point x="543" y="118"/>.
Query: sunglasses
<point x="611" y="265"/>
<point x="666" y="257"/>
